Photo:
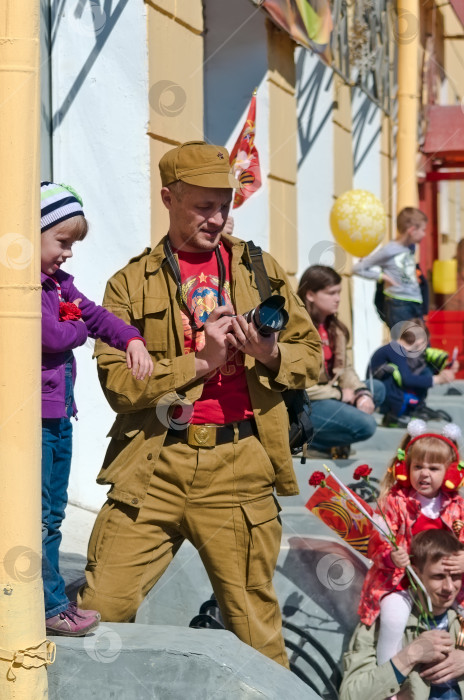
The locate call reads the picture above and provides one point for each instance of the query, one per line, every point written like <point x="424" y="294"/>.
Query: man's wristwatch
<point x="361" y="392"/>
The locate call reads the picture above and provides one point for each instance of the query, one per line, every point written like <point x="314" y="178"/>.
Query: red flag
<point x="244" y="159"/>
<point x="341" y="515"/>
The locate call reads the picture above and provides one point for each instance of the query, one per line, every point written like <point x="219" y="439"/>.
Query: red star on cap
<point x="220" y="155"/>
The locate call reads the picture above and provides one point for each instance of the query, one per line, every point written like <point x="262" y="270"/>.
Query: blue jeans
<point x="399" y="310"/>
<point x="337" y="423"/>
<point x="56" y="465"/>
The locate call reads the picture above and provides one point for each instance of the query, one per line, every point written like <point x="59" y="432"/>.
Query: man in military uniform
<point x="198" y="449"/>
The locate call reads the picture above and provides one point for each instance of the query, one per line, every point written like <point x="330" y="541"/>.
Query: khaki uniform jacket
<point x="344" y="377"/>
<point x="364" y="680"/>
<point x="144" y="294"/>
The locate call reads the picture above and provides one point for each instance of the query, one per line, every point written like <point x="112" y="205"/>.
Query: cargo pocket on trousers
<point x="104" y="533"/>
<point x="264" y="534"/>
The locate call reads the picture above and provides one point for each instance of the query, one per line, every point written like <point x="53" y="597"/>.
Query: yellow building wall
<point x="342" y="159"/>
<point x="386" y="164"/>
<point x="176" y="113"/>
<point x="175" y="55"/>
<point x="282" y="176"/>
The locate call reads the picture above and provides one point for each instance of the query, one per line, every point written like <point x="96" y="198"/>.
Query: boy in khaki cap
<point x="198" y="448"/>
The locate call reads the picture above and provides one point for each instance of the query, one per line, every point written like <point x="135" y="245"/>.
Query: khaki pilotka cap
<point x="198" y="163"/>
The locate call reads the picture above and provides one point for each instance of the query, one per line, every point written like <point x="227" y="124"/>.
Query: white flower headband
<point x="417" y="427"/>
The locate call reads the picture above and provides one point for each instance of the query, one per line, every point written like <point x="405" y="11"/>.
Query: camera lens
<point x="270" y="316"/>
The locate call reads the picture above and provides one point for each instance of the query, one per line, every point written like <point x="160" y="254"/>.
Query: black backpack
<point x="296" y="400"/>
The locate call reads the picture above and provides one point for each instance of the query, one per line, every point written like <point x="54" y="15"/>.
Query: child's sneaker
<point x="83" y="613"/>
<point x="72" y="622"/>
<point x="426" y="413"/>
<point x="341" y="452"/>
<point x="391" y="420"/>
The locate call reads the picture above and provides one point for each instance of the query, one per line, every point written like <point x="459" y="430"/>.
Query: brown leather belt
<point x="209" y="435"/>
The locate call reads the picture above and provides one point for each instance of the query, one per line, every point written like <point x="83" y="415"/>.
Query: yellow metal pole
<point x="23" y="651"/>
<point x="408" y="54"/>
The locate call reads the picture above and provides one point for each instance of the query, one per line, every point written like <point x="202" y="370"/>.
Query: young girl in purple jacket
<point x="68" y="319"/>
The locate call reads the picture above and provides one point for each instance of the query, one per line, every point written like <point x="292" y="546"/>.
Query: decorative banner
<point x="332" y="506"/>
<point x="244" y="158"/>
<point x="309" y="22"/>
<point x="358" y="222"/>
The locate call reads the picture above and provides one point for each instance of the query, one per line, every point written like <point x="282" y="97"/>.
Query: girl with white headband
<point x="419" y="492"/>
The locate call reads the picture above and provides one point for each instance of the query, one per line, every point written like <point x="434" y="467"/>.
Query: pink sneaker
<point x="72" y="622"/>
<point x="83" y="613"/>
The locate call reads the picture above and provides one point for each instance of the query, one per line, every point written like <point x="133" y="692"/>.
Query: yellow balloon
<point x="358" y="222"/>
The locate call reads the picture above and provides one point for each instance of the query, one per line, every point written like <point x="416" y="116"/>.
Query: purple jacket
<point x="60" y="337"/>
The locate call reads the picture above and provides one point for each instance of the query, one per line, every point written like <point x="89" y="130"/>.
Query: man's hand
<point x="138" y="359"/>
<point x="365" y="404"/>
<point x="454" y="563"/>
<point x="216" y="328"/>
<point x="400" y="558"/>
<point x="431" y="647"/>
<point x="348" y="395"/>
<point x="244" y="336"/>
<point x="451" y="667"/>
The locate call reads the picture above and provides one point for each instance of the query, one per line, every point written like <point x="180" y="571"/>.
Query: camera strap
<point x="174" y="265"/>
<point x="296" y="400"/>
<point x="257" y="265"/>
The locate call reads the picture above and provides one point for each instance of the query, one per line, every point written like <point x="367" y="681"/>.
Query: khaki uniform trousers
<point x="221" y="500"/>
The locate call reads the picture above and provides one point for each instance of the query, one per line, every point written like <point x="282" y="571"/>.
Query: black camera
<point x="270" y="316"/>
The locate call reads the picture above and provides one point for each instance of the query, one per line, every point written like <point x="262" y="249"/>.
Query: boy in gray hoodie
<point x="394" y="265"/>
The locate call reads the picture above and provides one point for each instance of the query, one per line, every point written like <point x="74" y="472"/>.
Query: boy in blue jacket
<point x="408" y="368"/>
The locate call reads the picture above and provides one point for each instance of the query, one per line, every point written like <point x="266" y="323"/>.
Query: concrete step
<point x="317" y="580"/>
<point x="443" y="389"/>
<point x="311" y="578"/>
<point x="454" y="405"/>
<point x="142" y="662"/>
<point x="388" y="439"/>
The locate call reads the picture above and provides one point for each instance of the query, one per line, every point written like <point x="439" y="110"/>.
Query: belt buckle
<point x="201" y="435"/>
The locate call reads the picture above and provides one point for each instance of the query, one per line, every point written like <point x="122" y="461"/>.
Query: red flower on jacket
<point x="69" y="311"/>
<point x="362" y="472"/>
<point x="316" y="478"/>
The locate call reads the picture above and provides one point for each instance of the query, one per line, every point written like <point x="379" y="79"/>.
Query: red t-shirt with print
<point x="225" y="397"/>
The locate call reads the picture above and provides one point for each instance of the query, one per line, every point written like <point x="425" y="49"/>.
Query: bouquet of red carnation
<point x="362" y="472"/>
<point x="69" y="311"/>
<point x="316" y="479"/>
